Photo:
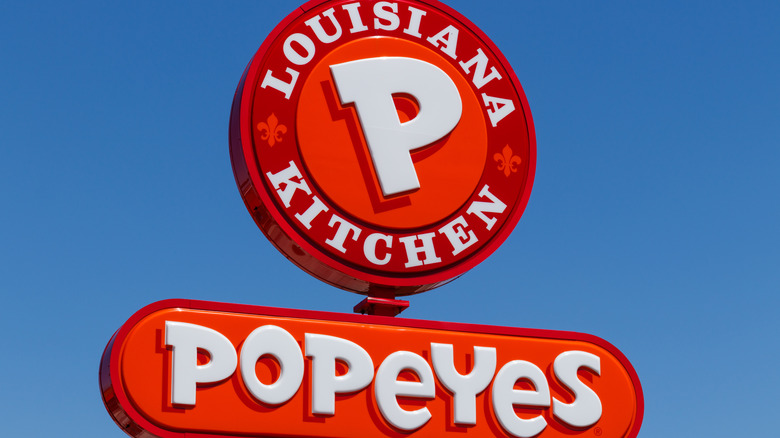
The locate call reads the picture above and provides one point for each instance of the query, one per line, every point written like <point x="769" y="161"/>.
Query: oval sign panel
<point x="181" y="369"/>
<point x="382" y="145"/>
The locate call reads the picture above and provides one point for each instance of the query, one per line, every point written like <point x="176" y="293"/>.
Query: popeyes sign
<point x="386" y="148"/>
<point x="382" y="145"/>
<point x="185" y="369"/>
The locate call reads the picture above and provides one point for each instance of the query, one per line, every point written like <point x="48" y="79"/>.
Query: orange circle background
<point x="336" y="156"/>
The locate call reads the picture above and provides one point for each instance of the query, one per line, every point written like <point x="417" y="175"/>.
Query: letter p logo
<point x="371" y="84"/>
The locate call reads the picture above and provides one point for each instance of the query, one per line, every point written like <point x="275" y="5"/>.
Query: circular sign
<point x="382" y="146"/>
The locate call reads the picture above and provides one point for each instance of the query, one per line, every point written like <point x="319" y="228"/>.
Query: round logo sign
<point x="382" y="145"/>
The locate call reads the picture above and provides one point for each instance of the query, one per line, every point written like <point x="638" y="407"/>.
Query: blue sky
<point x="653" y="222"/>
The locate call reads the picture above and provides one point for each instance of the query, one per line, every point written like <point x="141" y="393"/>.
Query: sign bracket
<point x="381" y="306"/>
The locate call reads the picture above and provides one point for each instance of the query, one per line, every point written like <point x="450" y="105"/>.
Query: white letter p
<point x="370" y="84"/>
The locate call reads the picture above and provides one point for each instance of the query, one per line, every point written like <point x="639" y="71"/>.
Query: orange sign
<point x="382" y="145"/>
<point x="183" y="369"/>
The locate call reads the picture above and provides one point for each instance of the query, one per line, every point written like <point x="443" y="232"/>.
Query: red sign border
<point x="132" y="422"/>
<point x="313" y="260"/>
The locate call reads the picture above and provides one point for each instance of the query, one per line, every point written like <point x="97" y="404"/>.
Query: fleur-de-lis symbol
<point x="271" y="131"/>
<point x="507" y="161"/>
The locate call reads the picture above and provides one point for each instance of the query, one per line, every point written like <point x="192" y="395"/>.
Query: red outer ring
<point x="133" y="423"/>
<point x="310" y="258"/>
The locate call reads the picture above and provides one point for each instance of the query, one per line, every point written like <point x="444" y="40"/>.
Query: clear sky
<point x="653" y="222"/>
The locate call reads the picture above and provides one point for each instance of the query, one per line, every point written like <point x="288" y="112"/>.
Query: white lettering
<point x="316" y="26"/>
<point x="389" y="13"/>
<point x="505" y="397"/>
<point x="369" y="248"/>
<point x="481" y="61"/>
<point x="188" y="340"/>
<point x="311" y="213"/>
<point x="325" y="351"/>
<point x="285" y="178"/>
<point x="387" y="388"/>
<point x="370" y="84"/>
<point x="586" y="409"/>
<point x="344" y="230"/>
<point x="185" y="340"/>
<point x="447" y="41"/>
<point x="276" y="342"/>
<point x="465" y="388"/>
<point x="354" y="16"/>
<point x="498" y="108"/>
<point x="456" y="232"/>
<point x="414" y="22"/>
<point x="305" y="43"/>
<point x="480" y="208"/>
<point x="285" y="87"/>
<point x="413" y="251"/>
